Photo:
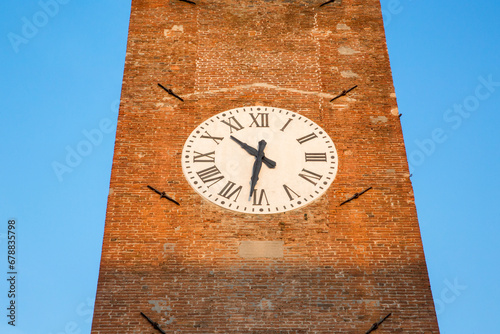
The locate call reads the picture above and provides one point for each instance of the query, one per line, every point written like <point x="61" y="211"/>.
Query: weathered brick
<point x="343" y="267"/>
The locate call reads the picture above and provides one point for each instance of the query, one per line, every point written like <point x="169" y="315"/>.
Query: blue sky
<point x="61" y="81"/>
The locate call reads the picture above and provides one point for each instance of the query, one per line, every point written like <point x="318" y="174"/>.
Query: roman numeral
<point x="210" y="174"/>
<point x="260" y="121"/>
<point x="204" y="157"/>
<point x="215" y="139"/>
<point x="316" y="157"/>
<point x="236" y="125"/>
<point x="289" y="191"/>
<point x="228" y="191"/>
<point x="257" y="200"/>
<point x="310" y="176"/>
<point x="286" y="124"/>
<point x="310" y="136"/>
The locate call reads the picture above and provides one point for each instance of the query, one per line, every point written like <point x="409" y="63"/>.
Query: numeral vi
<point x="258" y="198"/>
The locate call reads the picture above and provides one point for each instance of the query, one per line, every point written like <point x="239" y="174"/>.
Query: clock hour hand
<point x="252" y="151"/>
<point x="256" y="167"/>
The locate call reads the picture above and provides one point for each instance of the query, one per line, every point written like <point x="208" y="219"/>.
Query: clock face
<point x="220" y="156"/>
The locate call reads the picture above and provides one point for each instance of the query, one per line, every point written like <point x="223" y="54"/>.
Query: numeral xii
<point x="260" y="121"/>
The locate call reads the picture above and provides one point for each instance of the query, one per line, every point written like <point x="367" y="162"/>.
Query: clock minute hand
<point x="252" y="151"/>
<point x="257" y="165"/>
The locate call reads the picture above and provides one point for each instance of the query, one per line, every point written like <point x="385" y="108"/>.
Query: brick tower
<point x="202" y="267"/>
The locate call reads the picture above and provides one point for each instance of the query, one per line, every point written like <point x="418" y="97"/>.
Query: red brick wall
<point x="343" y="267"/>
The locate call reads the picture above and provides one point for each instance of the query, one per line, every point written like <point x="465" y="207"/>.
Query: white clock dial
<point x="220" y="169"/>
